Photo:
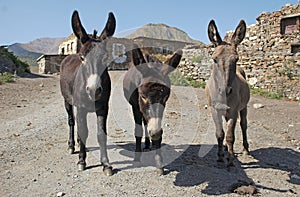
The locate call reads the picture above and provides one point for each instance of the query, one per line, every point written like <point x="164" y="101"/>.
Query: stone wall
<point x="269" y="56"/>
<point x="49" y="64"/>
<point x="196" y="62"/>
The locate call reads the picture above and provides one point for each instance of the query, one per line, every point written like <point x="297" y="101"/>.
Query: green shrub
<point x="178" y="79"/>
<point x="6" y="78"/>
<point x="195" y="83"/>
<point x="22" y="67"/>
<point x="265" y="93"/>
<point x="197" y="59"/>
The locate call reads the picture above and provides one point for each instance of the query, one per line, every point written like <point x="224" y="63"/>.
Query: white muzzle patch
<point x="93" y="82"/>
<point x="154" y="124"/>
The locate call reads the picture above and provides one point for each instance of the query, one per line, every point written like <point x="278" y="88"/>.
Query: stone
<point x="258" y="105"/>
<point x="59" y="194"/>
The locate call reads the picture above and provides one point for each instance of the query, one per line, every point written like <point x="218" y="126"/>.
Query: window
<point x="295" y="48"/>
<point x="290" y="25"/>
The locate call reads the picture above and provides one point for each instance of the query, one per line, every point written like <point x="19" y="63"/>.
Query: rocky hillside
<point x="11" y="64"/>
<point x="29" y="52"/>
<point x="40" y="45"/>
<point x="162" y="31"/>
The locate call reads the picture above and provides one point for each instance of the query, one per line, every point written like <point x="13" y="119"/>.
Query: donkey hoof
<point x="107" y="170"/>
<point x="246" y="152"/>
<point x="146" y="149"/>
<point x="81" y="166"/>
<point x="159" y="171"/>
<point x="71" y="150"/>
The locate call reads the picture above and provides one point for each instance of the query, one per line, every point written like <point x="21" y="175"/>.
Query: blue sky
<point x="25" y="20"/>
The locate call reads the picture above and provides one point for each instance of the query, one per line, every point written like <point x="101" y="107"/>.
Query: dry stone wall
<point x="265" y="55"/>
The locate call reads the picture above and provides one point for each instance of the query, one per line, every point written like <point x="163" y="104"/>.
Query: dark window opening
<point x="290" y="25"/>
<point x="295" y="48"/>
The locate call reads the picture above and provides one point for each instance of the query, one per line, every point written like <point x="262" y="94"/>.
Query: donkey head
<point x="154" y="89"/>
<point x="225" y="55"/>
<point x="91" y="54"/>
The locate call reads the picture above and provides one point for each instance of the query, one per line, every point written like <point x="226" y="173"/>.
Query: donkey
<point x="85" y="83"/>
<point x="227" y="90"/>
<point x="146" y="87"/>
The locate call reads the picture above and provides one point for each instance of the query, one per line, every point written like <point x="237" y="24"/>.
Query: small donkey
<point x="85" y="83"/>
<point x="146" y="87"/>
<point x="227" y="91"/>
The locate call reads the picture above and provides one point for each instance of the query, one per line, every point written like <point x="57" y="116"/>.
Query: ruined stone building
<point x="70" y="45"/>
<point x="269" y="53"/>
<point x="49" y="64"/>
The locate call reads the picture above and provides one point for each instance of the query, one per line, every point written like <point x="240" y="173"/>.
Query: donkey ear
<point x="78" y="29"/>
<point x="137" y="56"/>
<point x="213" y="33"/>
<point x="239" y="34"/>
<point x="95" y="34"/>
<point x="109" y="28"/>
<point x="172" y="63"/>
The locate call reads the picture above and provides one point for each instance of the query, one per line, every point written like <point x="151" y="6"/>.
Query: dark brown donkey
<point x="227" y="90"/>
<point x="85" y="83"/>
<point x="147" y="89"/>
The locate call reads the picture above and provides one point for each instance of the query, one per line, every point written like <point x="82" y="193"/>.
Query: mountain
<point x="41" y="45"/>
<point x="29" y="52"/>
<point x="162" y="31"/>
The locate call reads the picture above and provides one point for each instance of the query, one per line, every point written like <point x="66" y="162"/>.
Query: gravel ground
<point x="35" y="161"/>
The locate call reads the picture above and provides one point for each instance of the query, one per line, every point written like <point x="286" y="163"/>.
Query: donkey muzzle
<point x="155" y="135"/>
<point x="154" y="128"/>
<point x="93" y="94"/>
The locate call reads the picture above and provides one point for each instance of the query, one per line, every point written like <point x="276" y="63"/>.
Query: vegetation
<point x="21" y="67"/>
<point x="265" y="93"/>
<point x="178" y="79"/>
<point x="197" y="59"/>
<point x="6" y="78"/>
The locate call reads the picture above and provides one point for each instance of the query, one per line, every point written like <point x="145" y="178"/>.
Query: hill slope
<point x="29" y="52"/>
<point x="162" y="31"/>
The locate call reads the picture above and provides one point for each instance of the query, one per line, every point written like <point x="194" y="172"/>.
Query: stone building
<point x="49" y="63"/>
<point x="269" y="53"/>
<point x="70" y="45"/>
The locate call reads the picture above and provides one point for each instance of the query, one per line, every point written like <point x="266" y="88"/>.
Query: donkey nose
<point x="156" y="135"/>
<point x="98" y="91"/>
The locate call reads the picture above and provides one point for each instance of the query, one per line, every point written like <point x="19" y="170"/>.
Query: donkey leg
<point x="230" y="138"/>
<point x="147" y="139"/>
<point x="217" y="117"/>
<point x="71" y="122"/>
<point x="156" y="145"/>
<point x="102" y="140"/>
<point x="243" y="124"/>
<point x="138" y="132"/>
<point x="82" y="131"/>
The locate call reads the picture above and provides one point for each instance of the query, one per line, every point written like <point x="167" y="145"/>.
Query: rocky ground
<point x="35" y="161"/>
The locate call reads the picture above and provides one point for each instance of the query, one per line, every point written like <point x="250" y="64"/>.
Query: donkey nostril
<point x="228" y="90"/>
<point x="98" y="91"/>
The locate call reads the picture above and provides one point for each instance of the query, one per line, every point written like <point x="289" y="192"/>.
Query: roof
<point x="48" y="55"/>
<point x="291" y="16"/>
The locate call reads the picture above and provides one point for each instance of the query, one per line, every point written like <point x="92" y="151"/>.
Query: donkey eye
<point x="144" y="98"/>
<point x="81" y="57"/>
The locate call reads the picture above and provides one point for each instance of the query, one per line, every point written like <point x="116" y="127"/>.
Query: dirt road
<point x="35" y="161"/>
